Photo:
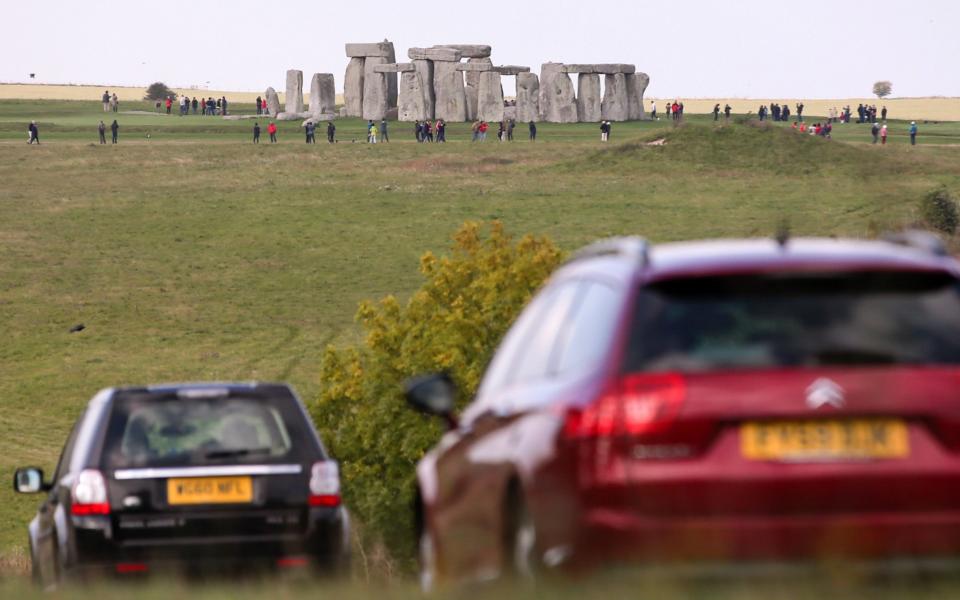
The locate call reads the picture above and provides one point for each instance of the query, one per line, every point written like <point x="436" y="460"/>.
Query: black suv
<point x="197" y="477"/>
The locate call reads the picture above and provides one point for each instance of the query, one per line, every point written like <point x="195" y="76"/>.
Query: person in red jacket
<point x="169" y="104"/>
<point x="483" y="130"/>
<point x="272" y="130"/>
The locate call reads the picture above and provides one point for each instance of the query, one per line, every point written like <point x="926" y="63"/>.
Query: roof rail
<point x="634" y="247"/>
<point x="918" y="239"/>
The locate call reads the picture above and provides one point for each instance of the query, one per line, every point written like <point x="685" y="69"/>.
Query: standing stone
<point x="588" y="98"/>
<point x="451" y="100"/>
<point x="376" y="90"/>
<point x="558" y="102"/>
<point x="425" y="70"/>
<point x="472" y="86"/>
<point x="391" y="77"/>
<point x="528" y="97"/>
<point x="490" y="99"/>
<point x="615" y="105"/>
<point x="353" y="87"/>
<point x="323" y="94"/>
<point x="636" y="86"/>
<point x="294" y="99"/>
<point x="273" y="101"/>
<point x="412" y="98"/>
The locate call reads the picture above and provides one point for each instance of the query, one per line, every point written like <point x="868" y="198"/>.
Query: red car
<point x="732" y="401"/>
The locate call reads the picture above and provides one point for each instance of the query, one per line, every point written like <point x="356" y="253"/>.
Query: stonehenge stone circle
<point x="528" y="97"/>
<point x="394" y="68"/>
<point x="376" y="91"/>
<point x="588" y="97"/>
<point x="557" y="99"/>
<point x="391" y="77"/>
<point x="425" y="70"/>
<point x="353" y="87"/>
<point x="472" y="69"/>
<point x="323" y="94"/>
<point x="273" y="101"/>
<point x="615" y="105"/>
<point x="412" y="101"/>
<point x="294" y="98"/>
<point x="511" y="70"/>
<point x="451" y="99"/>
<point x="490" y="99"/>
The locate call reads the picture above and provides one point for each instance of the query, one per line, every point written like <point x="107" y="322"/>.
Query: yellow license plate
<point x="210" y="490"/>
<point x="825" y="440"/>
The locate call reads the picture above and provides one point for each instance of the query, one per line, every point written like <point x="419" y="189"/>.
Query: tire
<point x="519" y="541"/>
<point x="427" y="561"/>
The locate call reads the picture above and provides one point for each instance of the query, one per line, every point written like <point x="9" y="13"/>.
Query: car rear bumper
<point x="606" y="535"/>
<point x="323" y="545"/>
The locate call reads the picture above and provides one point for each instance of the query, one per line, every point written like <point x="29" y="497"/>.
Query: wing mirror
<point x="433" y="395"/>
<point x="29" y="481"/>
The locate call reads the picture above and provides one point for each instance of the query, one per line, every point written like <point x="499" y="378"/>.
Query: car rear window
<point x="170" y="431"/>
<point x="810" y="319"/>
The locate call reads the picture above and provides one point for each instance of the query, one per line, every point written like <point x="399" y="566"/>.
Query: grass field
<point x="195" y="255"/>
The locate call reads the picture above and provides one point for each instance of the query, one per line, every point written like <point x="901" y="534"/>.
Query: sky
<point x="690" y="48"/>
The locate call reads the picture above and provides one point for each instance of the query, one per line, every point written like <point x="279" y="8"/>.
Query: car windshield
<point x="810" y="319"/>
<point x="196" y="431"/>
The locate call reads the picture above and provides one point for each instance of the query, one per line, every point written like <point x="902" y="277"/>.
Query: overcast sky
<point x="690" y="48"/>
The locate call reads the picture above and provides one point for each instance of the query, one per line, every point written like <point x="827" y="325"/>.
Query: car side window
<point x="533" y="359"/>
<point x="67" y="453"/>
<point x="503" y="361"/>
<point x="592" y="324"/>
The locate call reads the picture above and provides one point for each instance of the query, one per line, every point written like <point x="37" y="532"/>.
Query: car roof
<point x="801" y="254"/>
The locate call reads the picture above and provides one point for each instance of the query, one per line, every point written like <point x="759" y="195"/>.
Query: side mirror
<point x="29" y="481"/>
<point x="433" y="395"/>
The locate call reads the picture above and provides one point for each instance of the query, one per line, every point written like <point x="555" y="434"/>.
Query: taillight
<point x="89" y="494"/>
<point x="325" y="484"/>
<point x="635" y="405"/>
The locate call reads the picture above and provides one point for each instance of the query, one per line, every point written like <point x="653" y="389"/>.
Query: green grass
<point x="195" y="255"/>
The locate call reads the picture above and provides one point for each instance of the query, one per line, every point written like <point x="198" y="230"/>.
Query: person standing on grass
<point x="256" y="132"/>
<point x="272" y="130"/>
<point x="726" y="111"/>
<point x="716" y="111"/>
<point x="913" y="133"/>
<point x="169" y="104"/>
<point x="484" y="126"/>
<point x="194" y="104"/>
<point x="311" y="130"/>
<point x="475" y="131"/>
<point x="224" y="113"/>
<point x="883" y="135"/>
<point x="203" y="107"/>
<point x="875" y="132"/>
<point x="115" y="102"/>
<point x="106" y="101"/>
<point x="441" y="131"/>
<point x="800" y="111"/>
<point x="331" y="131"/>
<point x="259" y="106"/>
<point x="883" y="113"/>
<point x="383" y="130"/>
<point x="372" y="133"/>
<point x="653" y="110"/>
<point x="533" y="131"/>
<point x="114" y="130"/>
<point x="102" y="130"/>
<point x="603" y="131"/>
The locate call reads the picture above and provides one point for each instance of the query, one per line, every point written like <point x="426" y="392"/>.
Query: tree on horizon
<point x="881" y="89"/>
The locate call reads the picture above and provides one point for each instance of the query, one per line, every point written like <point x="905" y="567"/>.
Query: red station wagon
<point x="733" y="401"/>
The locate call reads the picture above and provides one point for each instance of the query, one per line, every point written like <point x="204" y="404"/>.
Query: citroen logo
<point x="824" y="392"/>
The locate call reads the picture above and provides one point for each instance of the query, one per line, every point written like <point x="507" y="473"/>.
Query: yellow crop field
<point x="925" y="109"/>
<point x="33" y="91"/>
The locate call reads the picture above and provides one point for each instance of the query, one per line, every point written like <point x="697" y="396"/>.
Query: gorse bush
<point x="939" y="210"/>
<point x="452" y="323"/>
<point x="159" y="91"/>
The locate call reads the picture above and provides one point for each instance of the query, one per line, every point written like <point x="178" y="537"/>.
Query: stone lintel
<point x="394" y="68"/>
<point x="469" y="50"/>
<point x="380" y="49"/>
<point x="435" y="54"/>
<point x="511" y="70"/>
<point x="602" y="69"/>
<point x="475" y="67"/>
